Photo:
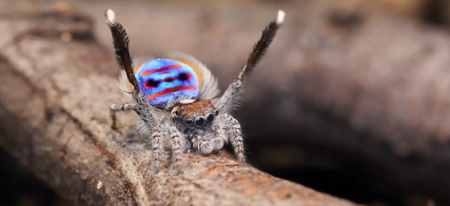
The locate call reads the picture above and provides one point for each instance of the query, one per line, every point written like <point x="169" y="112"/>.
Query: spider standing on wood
<point x="177" y="98"/>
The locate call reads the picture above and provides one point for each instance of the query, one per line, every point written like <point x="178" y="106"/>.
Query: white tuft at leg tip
<point x="280" y="17"/>
<point x="110" y="16"/>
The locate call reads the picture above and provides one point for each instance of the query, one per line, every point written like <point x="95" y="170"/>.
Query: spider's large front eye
<point x="209" y="118"/>
<point x="189" y="122"/>
<point x="199" y="121"/>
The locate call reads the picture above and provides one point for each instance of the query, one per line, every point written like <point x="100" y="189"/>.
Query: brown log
<point x="57" y="85"/>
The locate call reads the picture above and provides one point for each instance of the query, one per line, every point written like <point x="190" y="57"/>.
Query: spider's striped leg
<point x="234" y="132"/>
<point x="178" y="147"/>
<point x="119" y="108"/>
<point x="219" y="139"/>
<point x="157" y="147"/>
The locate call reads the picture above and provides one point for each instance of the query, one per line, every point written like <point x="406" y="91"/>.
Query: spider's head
<point x="199" y="113"/>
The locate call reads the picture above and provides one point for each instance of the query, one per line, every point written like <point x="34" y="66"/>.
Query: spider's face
<point x="198" y="114"/>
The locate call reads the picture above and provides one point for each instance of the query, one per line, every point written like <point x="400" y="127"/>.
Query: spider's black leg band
<point x="121" y="45"/>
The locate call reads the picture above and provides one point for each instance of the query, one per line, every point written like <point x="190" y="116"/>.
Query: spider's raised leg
<point x="119" y="108"/>
<point x="228" y="99"/>
<point x="143" y="107"/>
<point x="121" y="43"/>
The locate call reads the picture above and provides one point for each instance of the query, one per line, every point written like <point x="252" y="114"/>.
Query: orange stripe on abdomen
<point x="170" y="90"/>
<point x="177" y="66"/>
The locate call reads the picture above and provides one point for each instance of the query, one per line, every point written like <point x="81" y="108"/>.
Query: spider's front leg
<point x="231" y="127"/>
<point x="119" y="108"/>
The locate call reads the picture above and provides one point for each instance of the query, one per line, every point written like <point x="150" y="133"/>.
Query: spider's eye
<point x="189" y="122"/>
<point x="199" y="121"/>
<point x="209" y="118"/>
<point x="216" y="112"/>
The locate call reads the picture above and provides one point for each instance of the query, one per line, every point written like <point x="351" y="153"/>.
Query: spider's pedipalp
<point x="213" y="142"/>
<point x="203" y="144"/>
<point x="228" y="99"/>
<point x="121" y="45"/>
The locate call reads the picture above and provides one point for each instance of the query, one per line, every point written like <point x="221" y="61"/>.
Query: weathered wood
<point x="56" y="87"/>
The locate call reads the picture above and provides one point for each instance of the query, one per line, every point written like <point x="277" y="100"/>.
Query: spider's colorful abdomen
<point x="163" y="80"/>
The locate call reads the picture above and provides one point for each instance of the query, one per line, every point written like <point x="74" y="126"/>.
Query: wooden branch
<point x="57" y="85"/>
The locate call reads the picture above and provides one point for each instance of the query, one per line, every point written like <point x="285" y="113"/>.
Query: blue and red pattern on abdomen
<point x="163" y="80"/>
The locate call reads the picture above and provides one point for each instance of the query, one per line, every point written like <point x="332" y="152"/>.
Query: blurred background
<point x="351" y="100"/>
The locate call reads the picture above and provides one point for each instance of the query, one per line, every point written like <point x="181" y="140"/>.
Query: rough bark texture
<point x="57" y="85"/>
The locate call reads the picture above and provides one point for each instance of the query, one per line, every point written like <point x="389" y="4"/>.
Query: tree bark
<point x="57" y="85"/>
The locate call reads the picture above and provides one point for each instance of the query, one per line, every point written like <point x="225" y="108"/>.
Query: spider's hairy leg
<point x="234" y="132"/>
<point x="220" y="138"/>
<point x="178" y="147"/>
<point x="121" y="45"/>
<point x="144" y="111"/>
<point x="228" y="99"/>
<point x="119" y="108"/>
<point x="157" y="147"/>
